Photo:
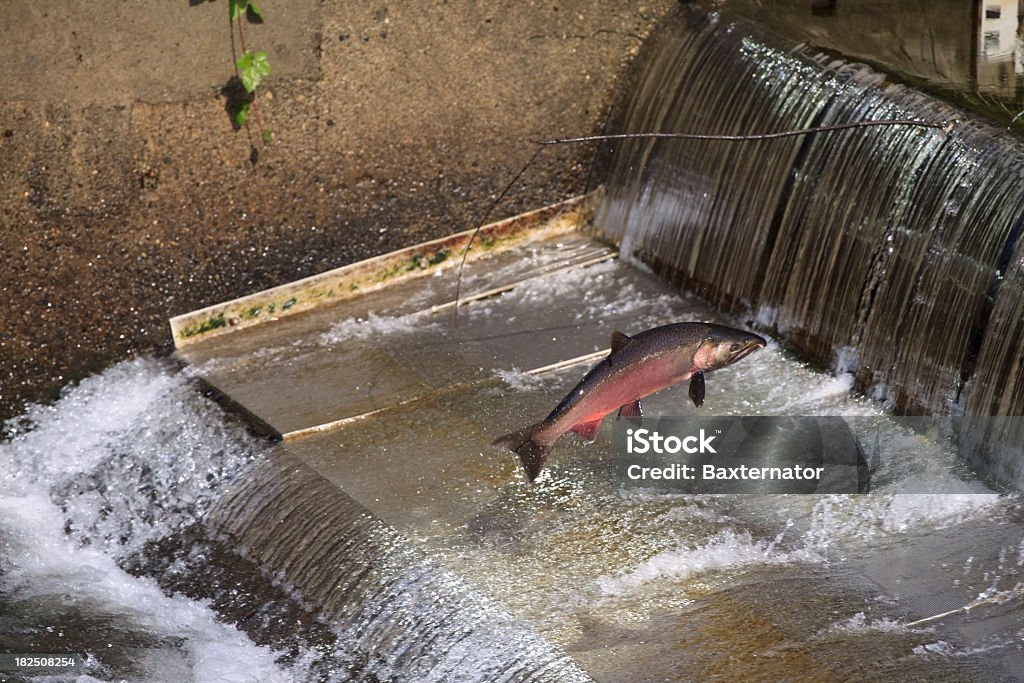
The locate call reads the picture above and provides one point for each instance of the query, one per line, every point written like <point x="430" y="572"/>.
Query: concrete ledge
<point x="359" y="278"/>
<point x="126" y="196"/>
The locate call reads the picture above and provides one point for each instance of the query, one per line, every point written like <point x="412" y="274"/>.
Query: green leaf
<point x="267" y="137"/>
<point x="252" y="67"/>
<point x="236" y="7"/>
<point x="242" y="115"/>
<point x="255" y="10"/>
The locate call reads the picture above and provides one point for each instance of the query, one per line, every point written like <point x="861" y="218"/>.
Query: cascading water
<point x="877" y="251"/>
<point x="126" y="459"/>
<point x="133" y="487"/>
<point x="401" y="616"/>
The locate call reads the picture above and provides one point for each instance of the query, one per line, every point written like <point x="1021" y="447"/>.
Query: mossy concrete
<point x="126" y="196"/>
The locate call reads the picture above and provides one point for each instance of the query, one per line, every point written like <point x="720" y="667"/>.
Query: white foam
<point x="71" y="436"/>
<point x="602" y="291"/>
<point x="53" y="458"/>
<point x="828" y="388"/>
<point x="858" y="520"/>
<point x="775" y="384"/>
<point x="42" y="561"/>
<point x="935" y="511"/>
<point x="518" y="380"/>
<point x="859" y="624"/>
<point x="728" y="549"/>
<point x="939" y="647"/>
<point x="944" y="649"/>
<point x="373" y="325"/>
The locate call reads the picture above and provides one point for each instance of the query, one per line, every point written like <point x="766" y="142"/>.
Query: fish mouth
<point x="748" y="348"/>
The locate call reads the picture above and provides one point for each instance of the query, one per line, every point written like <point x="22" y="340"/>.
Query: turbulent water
<point x="124" y="460"/>
<point x="139" y="527"/>
<point x="105" y="550"/>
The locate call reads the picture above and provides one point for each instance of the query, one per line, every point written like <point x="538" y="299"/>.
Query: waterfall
<point x="401" y="616"/>
<point x="139" y="525"/>
<point x="887" y="252"/>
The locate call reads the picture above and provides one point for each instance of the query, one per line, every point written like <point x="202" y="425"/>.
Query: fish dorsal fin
<point x="618" y="342"/>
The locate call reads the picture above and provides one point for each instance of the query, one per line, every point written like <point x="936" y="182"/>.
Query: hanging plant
<point x="251" y="67"/>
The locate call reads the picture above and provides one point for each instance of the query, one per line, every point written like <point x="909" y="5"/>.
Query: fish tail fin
<point x="531" y="451"/>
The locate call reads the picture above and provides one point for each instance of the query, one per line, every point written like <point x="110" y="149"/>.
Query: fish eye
<point x="734" y="347"/>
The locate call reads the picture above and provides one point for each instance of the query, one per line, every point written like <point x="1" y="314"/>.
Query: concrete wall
<point x="127" y="197"/>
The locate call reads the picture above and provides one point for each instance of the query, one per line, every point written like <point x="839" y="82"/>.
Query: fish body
<point x="637" y="366"/>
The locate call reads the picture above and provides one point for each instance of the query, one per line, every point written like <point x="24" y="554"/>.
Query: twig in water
<point x="996" y="599"/>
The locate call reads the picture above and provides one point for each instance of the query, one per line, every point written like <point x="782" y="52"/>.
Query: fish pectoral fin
<point x="618" y="341"/>
<point x="632" y="412"/>
<point x="697" y="389"/>
<point x="588" y="430"/>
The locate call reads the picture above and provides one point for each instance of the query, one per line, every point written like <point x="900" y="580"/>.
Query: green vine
<point x="251" y="67"/>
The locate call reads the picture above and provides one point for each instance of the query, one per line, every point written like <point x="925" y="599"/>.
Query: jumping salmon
<point x="637" y="366"/>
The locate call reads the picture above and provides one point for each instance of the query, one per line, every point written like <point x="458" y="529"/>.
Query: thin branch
<point x="480" y="224"/>
<point x="945" y="126"/>
<point x="997" y="599"/>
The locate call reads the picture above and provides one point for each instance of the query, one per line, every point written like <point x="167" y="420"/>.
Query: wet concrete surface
<point x="284" y="370"/>
<point x="127" y="199"/>
<point x="632" y="587"/>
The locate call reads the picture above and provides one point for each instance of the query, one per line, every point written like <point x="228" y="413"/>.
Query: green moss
<point x="439" y="257"/>
<point x="288" y="304"/>
<point x="205" y="326"/>
<point x="254" y="311"/>
<point x="389" y="273"/>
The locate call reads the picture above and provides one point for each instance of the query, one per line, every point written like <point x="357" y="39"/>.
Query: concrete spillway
<point x="892" y="252"/>
<point x="384" y="503"/>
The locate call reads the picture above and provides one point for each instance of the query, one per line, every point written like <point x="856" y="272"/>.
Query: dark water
<point x="890" y="253"/>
